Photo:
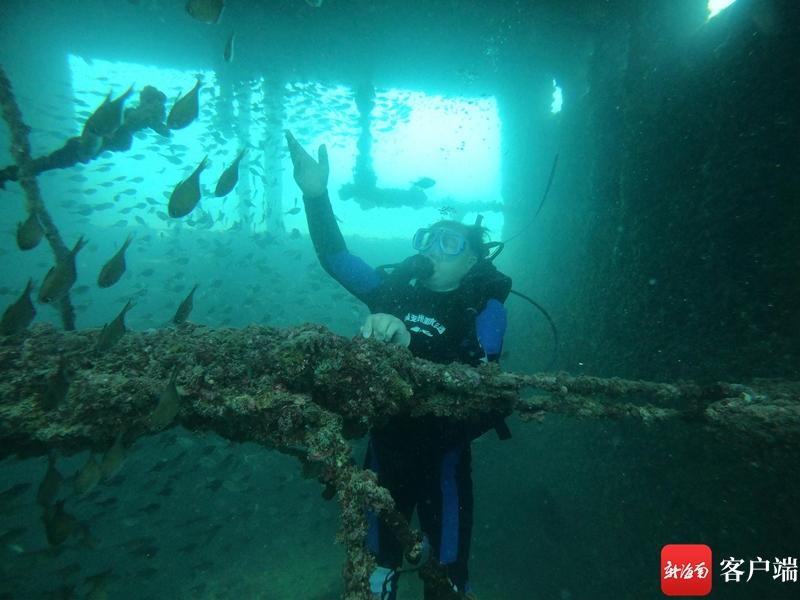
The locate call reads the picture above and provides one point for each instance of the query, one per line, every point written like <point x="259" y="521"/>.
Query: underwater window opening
<point x="717" y="6"/>
<point x="400" y="159"/>
<point x="428" y="156"/>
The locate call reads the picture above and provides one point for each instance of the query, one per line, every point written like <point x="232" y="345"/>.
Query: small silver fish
<point x="228" y="53"/>
<point x="59" y="524"/>
<point x="107" y="118"/>
<point x="61" y="277"/>
<point x="29" y="233"/>
<point x="57" y="387"/>
<point x="168" y="404"/>
<point x="229" y="178"/>
<point x="112" y="332"/>
<point x="424" y="183"/>
<point x="185" y="109"/>
<point x="87" y="477"/>
<point x="185" y="308"/>
<point x="51" y="482"/>
<point x="20" y="314"/>
<point x="115" y="267"/>
<point x="186" y="194"/>
<point x="113" y="458"/>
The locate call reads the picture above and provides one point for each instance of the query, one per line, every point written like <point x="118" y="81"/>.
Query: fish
<point x="185" y="308"/>
<point x="20" y="314"/>
<point x="230" y="176"/>
<point x="51" y="483"/>
<point x="29" y="233"/>
<point x="57" y="387"/>
<point x="424" y="183"/>
<point x="112" y="332"/>
<point x="107" y="117"/>
<point x="108" y="502"/>
<point x="205" y="11"/>
<point x="293" y="211"/>
<point x="61" y="277"/>
<point x="113" y="458"/>
<point x="314" y="3"/>
<point x="58" y="523"/>
<point x="98" y="585"/>
<point x="228" y="52"/>
<point x="151" y="508"/>
<point x="168" y="404"/>
<point x="186" y="194"/>
<point x="115" y="267"/>
<point x="185" y="109"/>
<point x="86" y="477"/>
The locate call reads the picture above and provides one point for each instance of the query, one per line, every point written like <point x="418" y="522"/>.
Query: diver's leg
<point x="380" y="541"/>
<point x="446" y="515"/>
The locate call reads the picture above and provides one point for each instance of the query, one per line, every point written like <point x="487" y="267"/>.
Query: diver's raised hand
<point x="386" y="328"/>
<point x="311" y="175"/>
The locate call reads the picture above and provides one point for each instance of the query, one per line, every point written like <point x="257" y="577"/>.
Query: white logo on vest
<point x="424" y="320"/>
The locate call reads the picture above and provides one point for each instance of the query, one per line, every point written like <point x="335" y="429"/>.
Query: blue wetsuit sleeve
<point x="356" y="276"/>
<point x="490" y="326"/>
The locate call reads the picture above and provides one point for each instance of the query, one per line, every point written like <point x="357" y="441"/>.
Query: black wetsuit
<point x="424" y="462"/>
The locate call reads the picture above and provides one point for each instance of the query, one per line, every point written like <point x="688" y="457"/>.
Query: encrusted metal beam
<point x="304" y="391"/>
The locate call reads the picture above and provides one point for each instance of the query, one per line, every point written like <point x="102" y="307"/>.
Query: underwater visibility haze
<point x="190" y="354"/>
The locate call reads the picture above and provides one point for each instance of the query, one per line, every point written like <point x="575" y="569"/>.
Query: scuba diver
<point x="444" y="304"/>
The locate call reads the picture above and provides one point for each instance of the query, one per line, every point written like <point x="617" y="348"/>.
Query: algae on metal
<point x="307" y="388"/>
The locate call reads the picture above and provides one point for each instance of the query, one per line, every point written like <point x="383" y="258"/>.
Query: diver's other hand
<point x="386" y="328"/>
<point x="311" y="175"/>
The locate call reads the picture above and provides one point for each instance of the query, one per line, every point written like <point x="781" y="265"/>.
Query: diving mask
<point x="451" y="243"/>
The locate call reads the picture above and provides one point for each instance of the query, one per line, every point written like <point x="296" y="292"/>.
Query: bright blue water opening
<point x="555" y="107"/>
<point x="717" y="6"/>
<point x="454" y="141"/>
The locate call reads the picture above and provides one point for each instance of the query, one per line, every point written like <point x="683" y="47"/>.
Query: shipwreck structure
<point x="304" y="391"/>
